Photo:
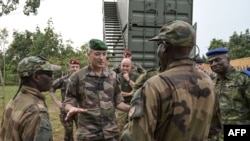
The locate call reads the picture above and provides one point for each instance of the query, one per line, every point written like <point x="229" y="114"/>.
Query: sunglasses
<point x="48" y="73"/>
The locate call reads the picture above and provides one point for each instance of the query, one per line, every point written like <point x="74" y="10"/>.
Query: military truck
<point x="128" y="24"/>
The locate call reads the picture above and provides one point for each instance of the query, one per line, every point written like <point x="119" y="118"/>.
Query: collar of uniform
<point x="105" y="72"/>
<point x="33" y="91"/>
<point x="182" y="62"/>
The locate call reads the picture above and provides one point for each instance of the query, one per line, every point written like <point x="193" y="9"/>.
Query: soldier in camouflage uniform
<point x="200" y="64"/>
<point x="232" y="89"/>
<point x="96" y="90"/>
<point x="136" y="68"/>
<point x="127" y="79"/>
<point x="180" y="103"/>
<point x="26" y="116"/>
<point x="61" y="83"/>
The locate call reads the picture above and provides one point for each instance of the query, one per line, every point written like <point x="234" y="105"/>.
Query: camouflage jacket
<point x="234" y="97"/>
<point x="26" y="118"/>
<point x="125" y="87"/>
<point x="61" y="83"/>
<point x="99" y="95"/>
<point x="179" y="105"/>
<point x="144" y="77"/>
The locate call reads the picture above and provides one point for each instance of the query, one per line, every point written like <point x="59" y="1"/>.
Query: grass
<point x="58" y="130"/>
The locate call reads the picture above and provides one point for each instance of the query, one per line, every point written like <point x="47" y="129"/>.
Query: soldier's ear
<point x="35" y="77"/>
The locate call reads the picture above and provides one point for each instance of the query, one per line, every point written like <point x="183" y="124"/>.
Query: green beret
<point x="96" y="44"/>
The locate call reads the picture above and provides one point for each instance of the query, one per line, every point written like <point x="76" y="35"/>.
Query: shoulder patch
<point x="131" y="111"/>
<point x="136" y="103"/>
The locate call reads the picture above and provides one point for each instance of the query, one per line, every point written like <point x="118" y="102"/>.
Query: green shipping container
<point x="141" y="20"/>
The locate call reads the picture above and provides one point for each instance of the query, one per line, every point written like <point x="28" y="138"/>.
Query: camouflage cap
<point x="96" y="44"/>
<point x="178" y="33"/>
<point x="29" y="65"/>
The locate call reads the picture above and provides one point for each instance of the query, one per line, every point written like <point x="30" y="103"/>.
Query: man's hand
<point x="126" y="94"/>
<point x="74" y="110"/>
<point x="59" y="105"/>
<point x="126" y="76"/>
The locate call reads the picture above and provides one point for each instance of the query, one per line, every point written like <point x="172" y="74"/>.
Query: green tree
<point x="18" y="49"/>
<point x="82" y="53"/>
<point x="46" y="43"/>
<point x="239" y="45"/>
<point x="215" y="43"/>
<point x="3" y="41"/>
<point x="30" y="6"/>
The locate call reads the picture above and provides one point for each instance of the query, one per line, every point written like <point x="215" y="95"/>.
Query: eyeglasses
<point x="48" y="73"/>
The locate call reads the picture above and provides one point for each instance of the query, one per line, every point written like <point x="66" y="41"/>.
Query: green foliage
<point x="3" y="41"/>
<point x="215" y="43"/>
<point x="46" y="43"/>
<point x="82" y="55"/>
<point x="9" y="6"/>
<point x="3" y="36"/>
<point x="238" y="45"/>
<point x="31" y="7"/>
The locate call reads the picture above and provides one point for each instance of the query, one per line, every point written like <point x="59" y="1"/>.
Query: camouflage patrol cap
<point x="29" y="65"/>
<point x="96" y="44"/>
<point x="178" y="33"/>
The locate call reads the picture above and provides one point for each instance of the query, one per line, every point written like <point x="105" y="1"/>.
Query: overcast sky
<point x="81" y="20"/>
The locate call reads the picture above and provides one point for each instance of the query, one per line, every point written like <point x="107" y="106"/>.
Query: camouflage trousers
<point x="122" y="119"/>
<point x="68" y="126"/>
<point x="116" y="138"/>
